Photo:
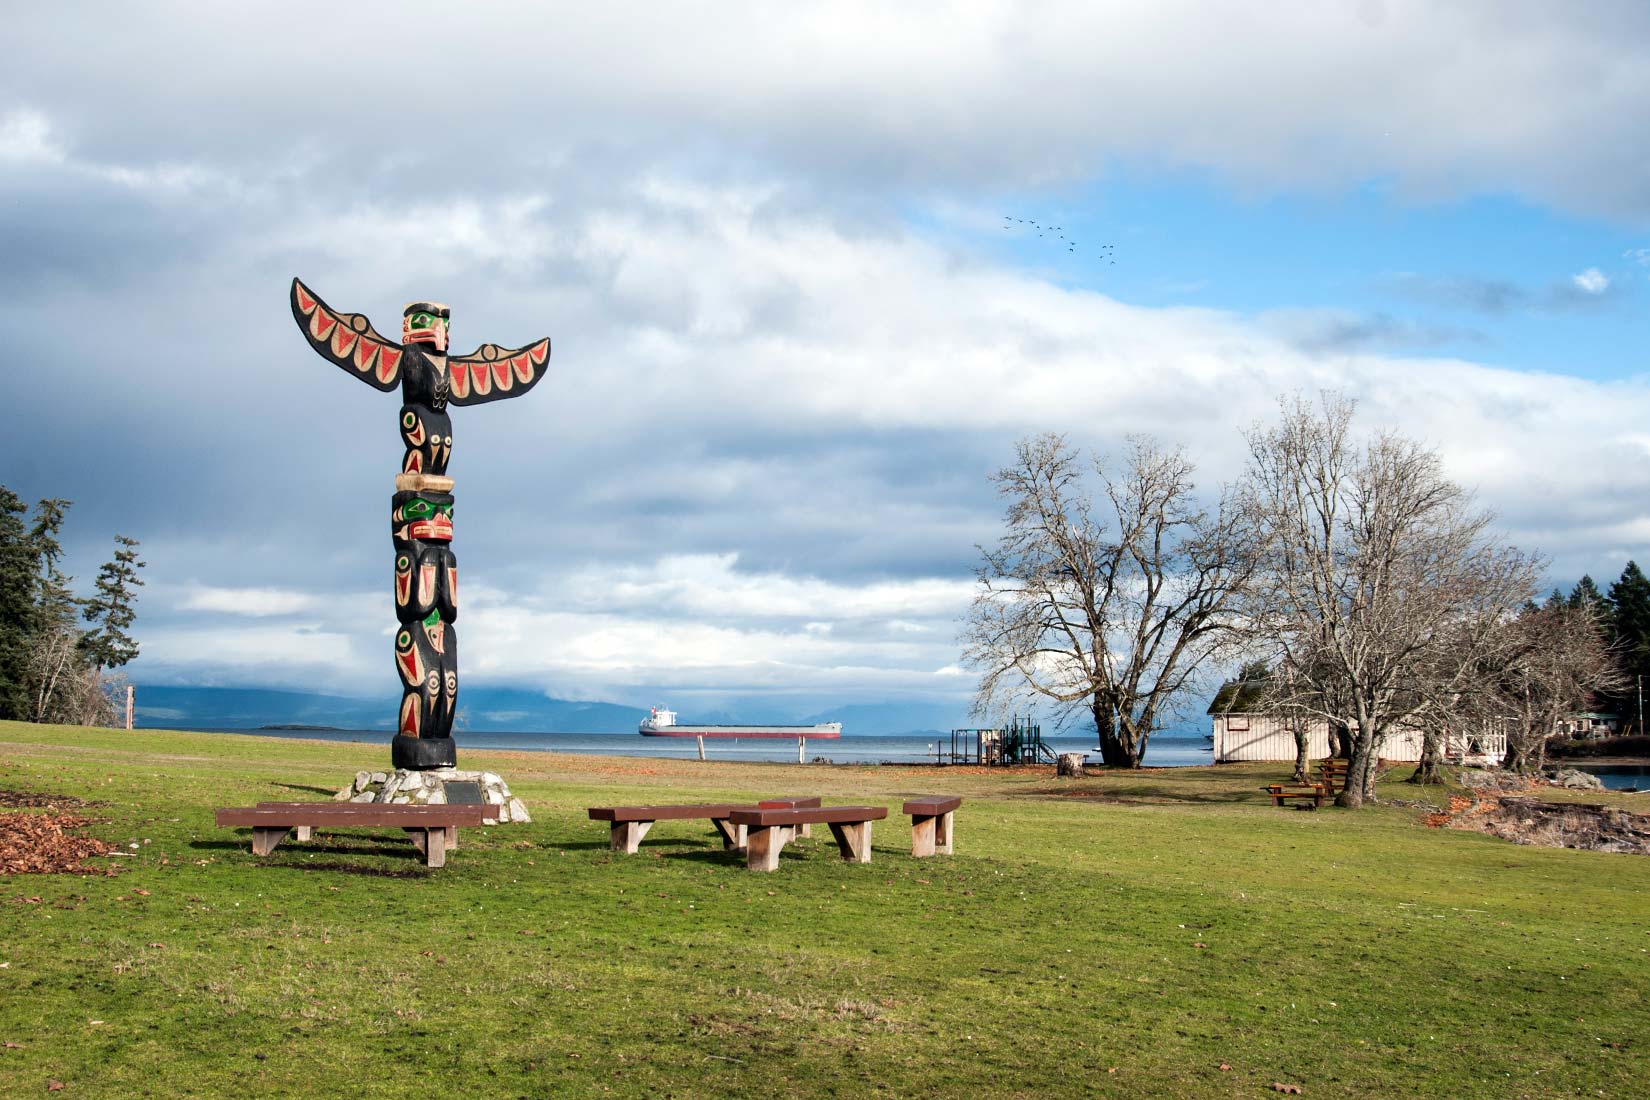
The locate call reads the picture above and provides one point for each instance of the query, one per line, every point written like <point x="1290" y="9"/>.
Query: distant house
<point x="1243" y="732"/>
<point x="1588" y="724"/>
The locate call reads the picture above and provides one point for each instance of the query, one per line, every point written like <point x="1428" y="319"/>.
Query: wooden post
<point x="922" y="836"/>
<point x="128" y="706"/>
<point x="701" y="740"/>
<point x="265" y="839"/>
<point x="733" y="836"/>
<point x="626" y="836"/>
<point x="942" y="833"/>
<point x="762" y="844"/>
<point x="801" y="747"/>
<point x="853" y="841"/>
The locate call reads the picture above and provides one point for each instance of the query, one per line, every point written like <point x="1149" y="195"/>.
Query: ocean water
<point x="1162" y="751"/>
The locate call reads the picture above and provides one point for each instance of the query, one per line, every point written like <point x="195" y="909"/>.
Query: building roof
<point x="1238" y="697"/>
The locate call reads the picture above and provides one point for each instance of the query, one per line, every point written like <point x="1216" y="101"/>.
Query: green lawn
<point x="1125" y="935"/>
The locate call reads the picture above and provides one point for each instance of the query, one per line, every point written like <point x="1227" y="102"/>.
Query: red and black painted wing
<point x="348" y="339"/>
<point x="492" y="373"/>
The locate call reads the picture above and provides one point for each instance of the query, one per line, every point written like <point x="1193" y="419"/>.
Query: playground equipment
<point x="1019" y="742"/>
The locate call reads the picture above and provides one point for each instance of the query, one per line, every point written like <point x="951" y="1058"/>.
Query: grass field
<point x="1154" y="934"/>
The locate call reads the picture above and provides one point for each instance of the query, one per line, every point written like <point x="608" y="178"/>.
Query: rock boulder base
<point x="405" y="786"/>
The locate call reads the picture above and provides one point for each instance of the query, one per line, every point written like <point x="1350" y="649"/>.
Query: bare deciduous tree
<point x="1107" y="591"/>
<point x="1554" y="660"/>
<point x="1379" y="594"/>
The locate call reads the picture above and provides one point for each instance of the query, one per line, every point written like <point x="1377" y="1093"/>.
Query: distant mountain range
<point x="488" y="708"/>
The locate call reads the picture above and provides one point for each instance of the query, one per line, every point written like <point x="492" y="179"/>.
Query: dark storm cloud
<point x="1498" y="297"/>
<point x="1332" y="331"/>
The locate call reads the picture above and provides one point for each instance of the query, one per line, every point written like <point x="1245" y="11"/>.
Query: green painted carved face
<point x="419" y="508"/>
<point x="425" y="519"/>
<point x="424" y="324"/>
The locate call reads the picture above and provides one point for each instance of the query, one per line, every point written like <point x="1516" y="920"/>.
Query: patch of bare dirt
<point x="44" y="844"/>
<point x="39" y="800"/>
<point x="1525" y="820"/>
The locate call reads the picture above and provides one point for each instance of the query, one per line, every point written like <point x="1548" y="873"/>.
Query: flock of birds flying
<point x="1055" y="232"/>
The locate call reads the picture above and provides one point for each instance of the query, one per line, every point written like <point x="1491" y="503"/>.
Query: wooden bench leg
<point x="452" y="838"/>
<point x="264" y="838"/>
<point x="303" y="833"/>
<point x="435" y="847"/>
<point x="431" y="844"/>
<point x="733" y="836"/>
<point x="805" y="830"/>
<point x="762" y="845"/>
<point x="942" y="833"/>
<point x="626" y="836"/>
<point x="853" y="840"/>
<point x="922" y="835"/>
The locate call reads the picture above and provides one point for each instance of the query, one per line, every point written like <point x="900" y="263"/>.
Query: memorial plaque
<point x="462" y="792"/>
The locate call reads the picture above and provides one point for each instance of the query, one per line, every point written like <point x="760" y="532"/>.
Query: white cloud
<point x="760" y="383"/>
<point x="252" y="602"/>
<point x="1441" y="99"/>
<point x="711" y="587"/>
<point x="26" y="137"/>
<point x="1591" y="281"/>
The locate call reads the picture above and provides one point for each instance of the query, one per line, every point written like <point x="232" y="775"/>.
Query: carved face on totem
<point x="426" y="323"/>
<point x="427" y="517"/>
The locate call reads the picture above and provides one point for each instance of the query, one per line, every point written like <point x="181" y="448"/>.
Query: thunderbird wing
<point x="348" y="339"/>
<point x="492" y="373"/>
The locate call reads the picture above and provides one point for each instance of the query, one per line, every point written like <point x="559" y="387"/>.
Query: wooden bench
<point x="1305" y="798"/>
<point x="767" y="831"/>
<point x="629" y="824"/>
<point x="433" y="829"/>
<point x="931" y="823"/>
<point x="1332" y="775"/>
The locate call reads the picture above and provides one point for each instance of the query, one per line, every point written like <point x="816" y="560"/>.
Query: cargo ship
<point x="662" y="723"/>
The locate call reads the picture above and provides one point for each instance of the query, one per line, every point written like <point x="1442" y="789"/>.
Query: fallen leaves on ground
<point x="42" y="844"/>
<point x="1278" y="1086"/>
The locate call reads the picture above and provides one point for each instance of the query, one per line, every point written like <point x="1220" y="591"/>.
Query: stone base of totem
<point x="435" y="787"/>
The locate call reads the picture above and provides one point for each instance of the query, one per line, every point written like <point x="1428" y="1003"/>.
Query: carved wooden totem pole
<point x="421" y="511"/>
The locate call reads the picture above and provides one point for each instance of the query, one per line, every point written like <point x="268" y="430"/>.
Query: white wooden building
<point x="1241" y="732"/>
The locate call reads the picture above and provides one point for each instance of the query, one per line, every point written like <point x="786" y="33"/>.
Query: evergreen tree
<point x="1586" y="595"/>
<point x="111" y="611"/>
<point x="55" y="603"/>
<point x="18" y="590"/>
<point x="1630" y="606"/>
<point x="60" y="677"/>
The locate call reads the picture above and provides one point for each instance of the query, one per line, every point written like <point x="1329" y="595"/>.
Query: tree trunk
<point x="1303" y="766"/>
<point x="1426" y="771"/>
<point x="1360" y="768"/>
<point x="1340" y="740"/>
<point x="1113" y="753"/>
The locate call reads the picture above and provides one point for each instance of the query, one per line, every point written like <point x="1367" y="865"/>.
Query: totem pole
<point x="421" y="511"/>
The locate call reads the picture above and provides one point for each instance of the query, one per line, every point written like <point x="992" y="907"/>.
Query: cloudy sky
<point x="794" y="326"/>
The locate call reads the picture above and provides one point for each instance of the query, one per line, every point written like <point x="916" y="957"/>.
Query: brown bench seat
<point x="931" y="825"/>
<point x="629" y="824"/>
<point x="430" y="827"/>
<point x="1305" y="798"/>
<point x="769" y="830"/>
